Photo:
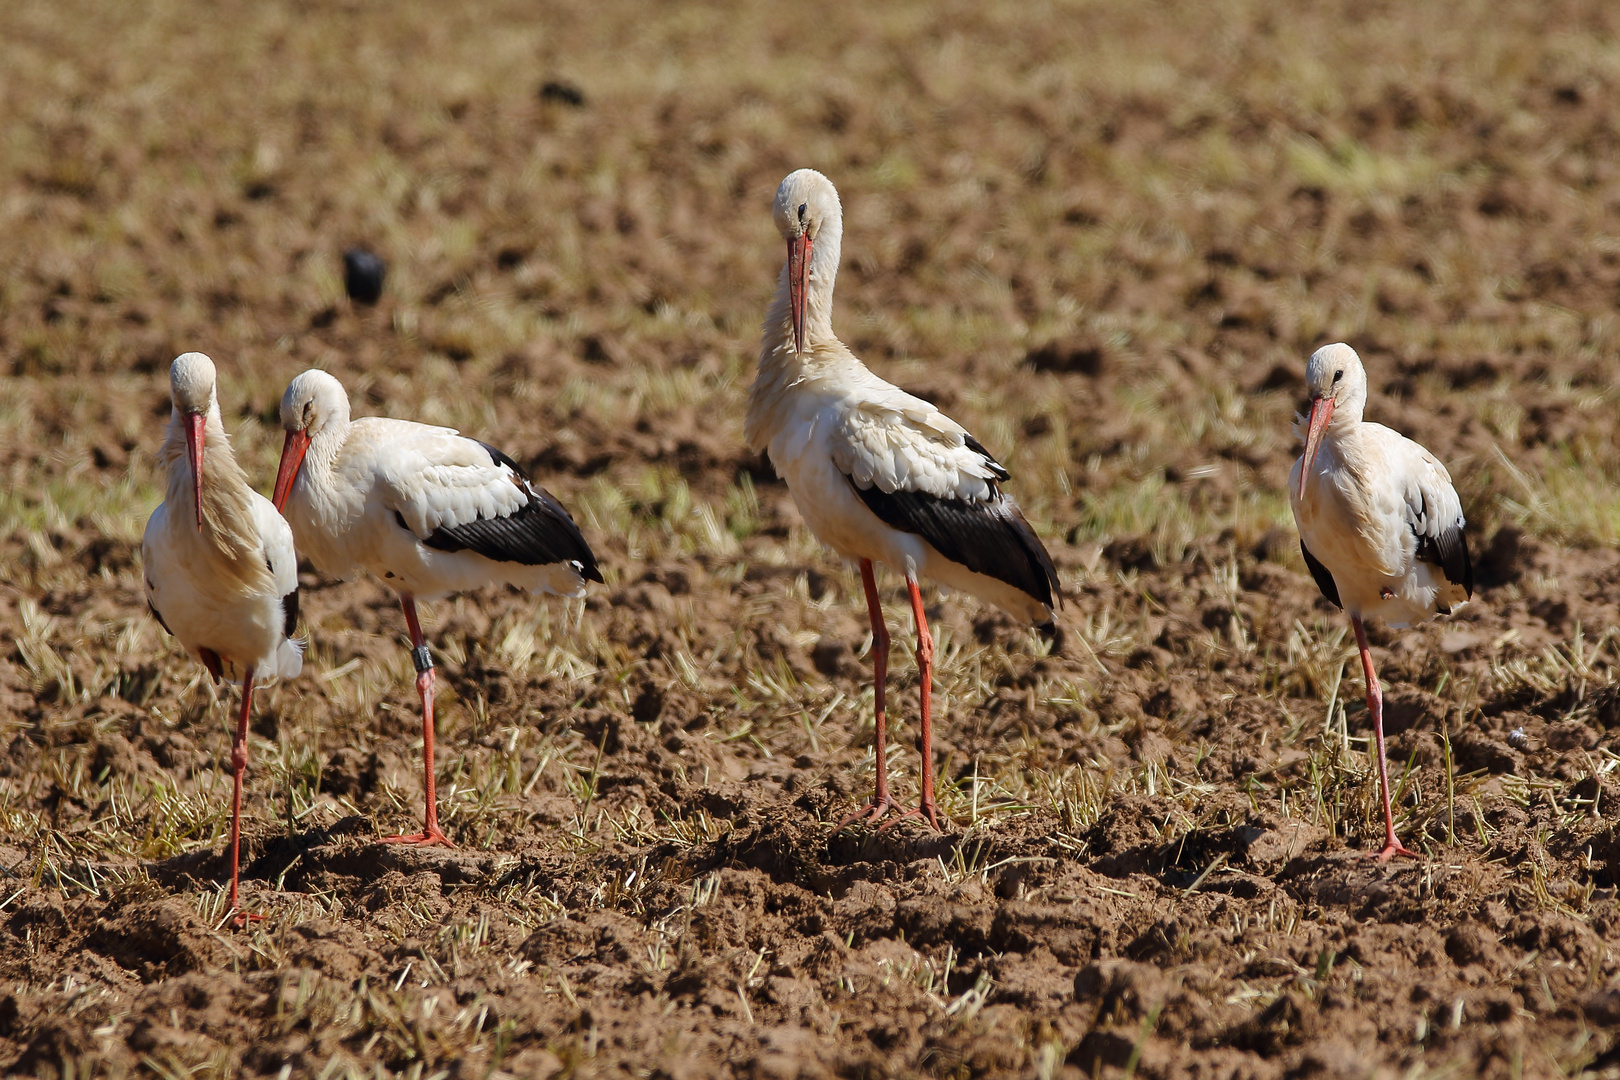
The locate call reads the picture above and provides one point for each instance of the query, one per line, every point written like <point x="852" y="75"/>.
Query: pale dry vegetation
<point x="1104" y="237"/>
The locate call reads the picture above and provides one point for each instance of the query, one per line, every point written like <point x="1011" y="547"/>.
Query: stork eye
<point x="1337" y="375"/>
<point x="802" y="208"/>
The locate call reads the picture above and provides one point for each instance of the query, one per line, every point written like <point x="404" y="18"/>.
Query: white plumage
<point x="890" y="438"/>
<point x="1371" y="499"/>
<point x="426" y="509"/>
<point x="878" y="474"/>
<point x="222" y="588"/>
<point x="218" y="561"/>
<point x="1380" y="525"/>
<point x="833" y="441"/>
<point x="357" y="475"/>
<point x="205" y="607"/>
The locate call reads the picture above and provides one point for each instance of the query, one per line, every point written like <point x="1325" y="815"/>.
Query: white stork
<point x="878" y="474"/>
<point x="221" y="573"/>
<point x="1380" y="525"/>
<point x="424" y="508"/>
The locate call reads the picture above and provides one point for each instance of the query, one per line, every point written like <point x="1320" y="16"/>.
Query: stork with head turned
<point x="218" y="561"/>
<point x="878" y="474"/>
<point x="1380" y="525"/>
<point x="426" y="509"/>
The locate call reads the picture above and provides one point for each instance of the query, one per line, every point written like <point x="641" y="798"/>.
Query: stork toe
<point x="927" y="812"/>
<point x="874" y="811"/>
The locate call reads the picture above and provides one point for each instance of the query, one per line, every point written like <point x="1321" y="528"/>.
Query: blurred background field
<point x="1104" y="237"/>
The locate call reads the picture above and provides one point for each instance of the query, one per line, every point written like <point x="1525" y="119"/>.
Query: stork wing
<point x="1434" y="514"/>
<point x="1323" y="576"/>
<point x="458" y="494"/>
<point x="154" y="526"/>
<point x="282" y="558"/>
<point x="921" y="472"/>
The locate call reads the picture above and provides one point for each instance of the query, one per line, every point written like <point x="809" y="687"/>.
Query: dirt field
<point x="1104" y="237"/>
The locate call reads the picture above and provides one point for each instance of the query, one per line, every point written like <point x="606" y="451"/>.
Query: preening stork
<point x="220" y="570"/>
<point x="1380" y="525"/>
<point x="424" y="508"/>
<point x="878" y="474"/>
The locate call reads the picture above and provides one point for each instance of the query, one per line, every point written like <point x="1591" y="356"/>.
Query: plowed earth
<point x="1104" y="237"/>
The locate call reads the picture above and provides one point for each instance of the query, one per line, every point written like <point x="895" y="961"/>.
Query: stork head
<point x="1337" y="384"/>
<point x="191" y="391"/>
<point x="807" y="209"/>
<point x="315" y="402"/>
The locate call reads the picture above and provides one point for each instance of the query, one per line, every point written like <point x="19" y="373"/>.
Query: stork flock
<point x="879" y="475"/>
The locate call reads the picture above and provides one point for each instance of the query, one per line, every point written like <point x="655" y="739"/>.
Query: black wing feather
<point x="289" y="606"/>
<point x="1443" y="546"/>
<point x="996" y="467"/>
<point x="1324" y="579"/>
<point x="539" y="533"/>
<point x="158" y="615"/>
<point x="1449" y="551"/>
<point x="989" y="536"/>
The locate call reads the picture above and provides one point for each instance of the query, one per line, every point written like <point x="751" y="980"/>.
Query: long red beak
<point x="1321" y="413"/>
<point x="292" y="459"/>
<point x="195" y="439"/>
<point x="798" y="279"/>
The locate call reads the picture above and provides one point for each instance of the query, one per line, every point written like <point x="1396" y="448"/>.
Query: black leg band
<point x="422" y="659"/>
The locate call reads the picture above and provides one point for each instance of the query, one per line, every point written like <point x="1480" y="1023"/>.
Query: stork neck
<point x="777" y="347"/>
<point x="229" y="528"/>
<point x="320" y="461"/>
<point x="1344" y="446"/>
<point x="176" y="461"/>
<point x="1346" y="429"/>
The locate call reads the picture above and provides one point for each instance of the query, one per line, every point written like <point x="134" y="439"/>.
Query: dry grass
<point x="1177" y="204"/>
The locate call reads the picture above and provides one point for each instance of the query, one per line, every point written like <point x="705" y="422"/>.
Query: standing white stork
<point x="226" y="587"/>
<point x="1380" y="525"/>
<point x="878" y="474"/>
<point x="424" y="508"/>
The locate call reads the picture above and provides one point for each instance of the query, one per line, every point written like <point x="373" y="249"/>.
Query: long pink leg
<point x="1375" y="705"/>
<point x="423" y="659"/>
<point x="882" y="802"/>
<point x="239" y="760"/>
<point x="926" y="808"/>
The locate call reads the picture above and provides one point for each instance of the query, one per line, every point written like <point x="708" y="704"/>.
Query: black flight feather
<point x="158" y="615"/>
<point x="289" y="607"/>
<point x="1448" y="551"/>
<point x="1440" y="545"/>
<point x="1324" y="579"/>
<point x="988" y="536"/>
<point x="539" y="533"/>
<point x="996" y="467"/>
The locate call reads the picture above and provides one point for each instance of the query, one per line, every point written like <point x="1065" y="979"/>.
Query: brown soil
<point x="1104" y="237"/>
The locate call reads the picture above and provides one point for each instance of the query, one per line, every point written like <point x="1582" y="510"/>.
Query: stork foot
<point x="426" y="838"/>
<point x="239" y="918"/>
<point x="873" y="812"/>
<point x="1393" y="847"/>
<point x="927" y="812"/>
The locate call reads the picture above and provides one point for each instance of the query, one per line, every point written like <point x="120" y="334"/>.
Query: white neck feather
<point x="229" y="528"/>
<point x="777" y="345"/>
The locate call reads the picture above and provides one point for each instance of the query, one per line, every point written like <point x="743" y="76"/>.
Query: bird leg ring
<point x="423" y="660"/>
